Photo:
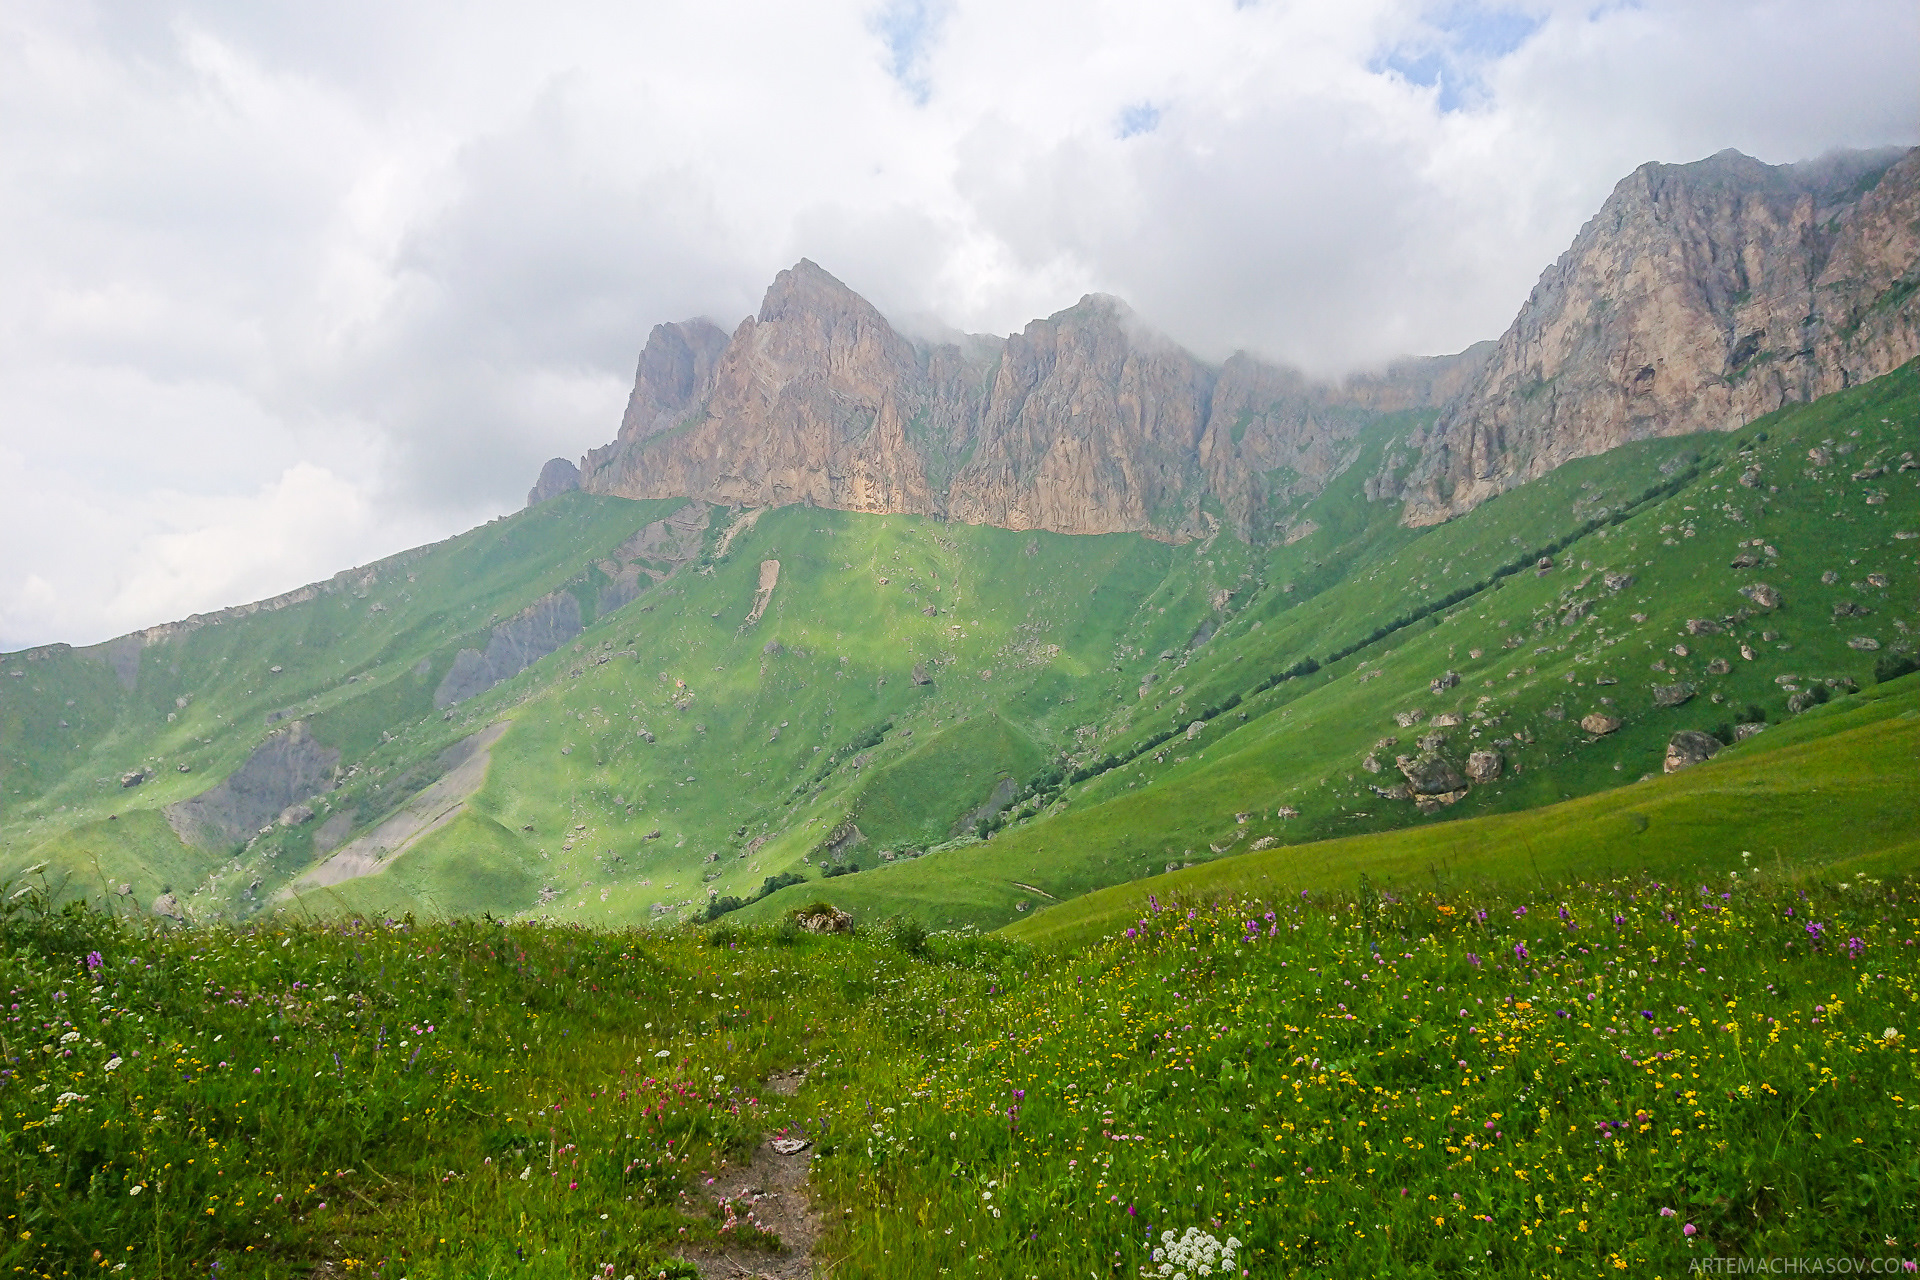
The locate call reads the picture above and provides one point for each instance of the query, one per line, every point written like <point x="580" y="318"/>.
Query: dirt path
<point x="771" y="1190"/>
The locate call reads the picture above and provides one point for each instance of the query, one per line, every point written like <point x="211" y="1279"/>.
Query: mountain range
<point x="1003" y="621"/>
<point x="1698" y="298"/>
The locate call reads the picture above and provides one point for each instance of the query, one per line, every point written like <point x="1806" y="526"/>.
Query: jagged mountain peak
<point x="1682" y="305"/>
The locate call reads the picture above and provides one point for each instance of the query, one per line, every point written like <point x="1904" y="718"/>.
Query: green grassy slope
<point x="1839" y="790"/>
<point x="1146" y="704"/>
<point x="358" y="661"/>
<point x="1531" y="664"/>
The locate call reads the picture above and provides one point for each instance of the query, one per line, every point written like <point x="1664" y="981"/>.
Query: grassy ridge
<point x="1838" y="789"/>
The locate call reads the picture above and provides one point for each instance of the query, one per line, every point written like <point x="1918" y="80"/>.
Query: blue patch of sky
<point x="1460" y="39"/>
<point x="1138" y="118"/>
<point x="908" y="29"/>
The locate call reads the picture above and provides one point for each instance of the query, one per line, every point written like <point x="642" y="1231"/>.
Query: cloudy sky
<point x="291" y="286"/>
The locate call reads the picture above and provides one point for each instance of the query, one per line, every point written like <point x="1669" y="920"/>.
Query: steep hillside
<point x="1762" y="574"/>
<point x="1699" y="297"/>
<point x="645" y="707"/>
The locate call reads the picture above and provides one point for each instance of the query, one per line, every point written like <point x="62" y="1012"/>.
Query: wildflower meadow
<point x="1627" y="1077"/>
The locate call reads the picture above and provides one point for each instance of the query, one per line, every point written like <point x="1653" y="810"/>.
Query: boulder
<point x="1745" y="560"/>
<point x="1762" y="595"/>
<point x="1719" y="667"/>
<point x="1447" y="720"/>
<point x="1690" y="747"/>
<point x="1599" y="723"/>
<point x="1741" y="732"/>
<point x="1371" y="764"/>
<point x="1672" y="695"/>
<point x="1438" y="800"/>
<point x="1866" y="644"/>
<point x="169" y="906"/>
<point x="1405" y="719"/>
<point x="1702" y="627"/>
<point x="1618" y="581"/>
<point x="1429" y="775"/>
<point x="822" y="918"/>
<point x="134" y="778"/>
<point x="1484" y="766"/>
<point x="1443" y="683"/>
<point x="295" y="814"/>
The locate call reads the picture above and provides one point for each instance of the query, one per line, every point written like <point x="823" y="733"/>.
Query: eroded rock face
<point x="289" y="767"/>
<point x="1689" y="747"/>
<point x="1700" y="297"/>
<point x="557" y="477"/>
<point x="515" y="645"/>
<point x="1084" y="422"/>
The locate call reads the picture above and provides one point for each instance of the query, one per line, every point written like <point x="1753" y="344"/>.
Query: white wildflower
<point x="70" y="1037"/>
<point x="113" y="1063"/>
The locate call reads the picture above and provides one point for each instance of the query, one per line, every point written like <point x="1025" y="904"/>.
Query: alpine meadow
<point x="1044" y="806"/>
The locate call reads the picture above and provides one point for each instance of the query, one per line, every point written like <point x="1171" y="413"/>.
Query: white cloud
<point x="291" y="288"/>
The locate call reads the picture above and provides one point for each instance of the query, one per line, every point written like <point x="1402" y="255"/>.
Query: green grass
<point x="1838" y="789"/>
<point x="1500" y="1084"/>
<point x="920" y="799"/>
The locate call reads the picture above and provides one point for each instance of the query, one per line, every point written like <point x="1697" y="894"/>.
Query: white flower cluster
<point x="1194" y="1254"/>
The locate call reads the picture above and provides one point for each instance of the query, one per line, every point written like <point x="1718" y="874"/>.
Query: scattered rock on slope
<point x="1690" y="747"/>
<point x="1672" y="695"/>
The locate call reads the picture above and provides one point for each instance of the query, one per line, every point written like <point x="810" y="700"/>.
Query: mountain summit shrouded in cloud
<point x="288" y="292"/>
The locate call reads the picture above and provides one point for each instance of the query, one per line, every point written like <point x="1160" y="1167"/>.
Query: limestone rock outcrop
<point x="557" y="477"/>
<point x="1699" y="297"/>
<point x="291" y="766"/>
<point x="1083" y="422"/>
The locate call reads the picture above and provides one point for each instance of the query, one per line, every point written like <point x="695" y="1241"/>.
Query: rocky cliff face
<point x="1700" y="297"/>
<point x="1085" y="422"/>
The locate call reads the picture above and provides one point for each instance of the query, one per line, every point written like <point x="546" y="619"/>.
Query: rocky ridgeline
<point x="1699" y="297"/>
<point x="1085" y="422"/>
